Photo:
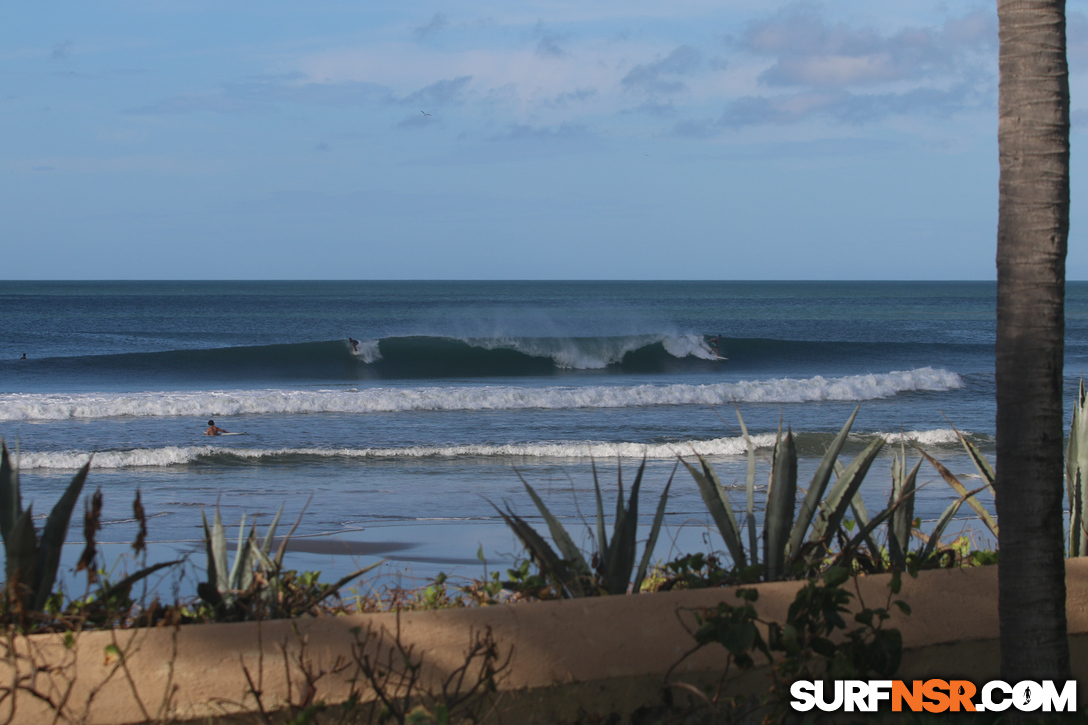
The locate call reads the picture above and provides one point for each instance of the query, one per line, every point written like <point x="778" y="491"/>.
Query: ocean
<point x="403" y="444"/>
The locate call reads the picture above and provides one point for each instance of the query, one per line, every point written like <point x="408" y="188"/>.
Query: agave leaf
<point x="233" y="578"/>
<point x="219" y="551"/>
<point x="959" y="488"/>
<point x="22" y="552"/>
<point x="935" y="537"/>
<point x="720" y="509"/>
<point x="816" y="489"/>
<point x="865" y="533"/>
<point x="1076" y="468"/>
<point x="655" y="529"/>
<point x="619" y="485"/>
<point x="602" y="536"/>
<point x="781" y="500"/>
<point x="903" y="500"/>
<point x="242" y="572"/>
<point x="984" y="468"/>
<point x="278" y="561"/>
<point x="209" y="546"/>
<point x="1078" y="532"/>
<point x="553" y="567"/>
<point x="842" y="493"/>
<point x="562" y="539"/>
<point x="125" y="584"/>
<point x="245" y="569"/>
<point x="11" y="503"/>
<point x="621" y="556"/>
<point x="330" y="589"/>
<point x="53" y="536"/>
<point x="861" y="515"/>
<point x="264" y="562"/>
<point x="270" y="535"/>
<point x="749" y="490"/>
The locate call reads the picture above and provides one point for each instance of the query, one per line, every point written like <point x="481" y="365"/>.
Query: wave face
<point x="598" y="450"/>
<point x="204" y="404"/>
<point x="445" y="357"/>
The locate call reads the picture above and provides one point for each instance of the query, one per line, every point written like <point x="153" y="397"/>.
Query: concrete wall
<point x="607" y="653"/>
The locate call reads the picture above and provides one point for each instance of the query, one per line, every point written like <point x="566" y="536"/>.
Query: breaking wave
<point x="185" y="455"/>
<point x="29" y="407"/>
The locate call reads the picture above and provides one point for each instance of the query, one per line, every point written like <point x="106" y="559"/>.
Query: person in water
<point x="714" y="342"/>
<point x="213" y="429"/>
<point x="354" y="344"/>
<point x="23" y="357"/>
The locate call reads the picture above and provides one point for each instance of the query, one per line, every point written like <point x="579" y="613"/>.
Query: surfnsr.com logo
<point x="933" y="696"/>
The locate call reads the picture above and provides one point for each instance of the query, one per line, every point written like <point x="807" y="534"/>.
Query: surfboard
<point x="232" y="434"/>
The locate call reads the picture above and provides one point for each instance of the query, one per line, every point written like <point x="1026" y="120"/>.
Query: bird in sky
<point x="425" y="113"/>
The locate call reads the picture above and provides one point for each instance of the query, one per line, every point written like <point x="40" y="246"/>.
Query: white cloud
<point x="810" y="51"/>
<point x="663" y="76"/>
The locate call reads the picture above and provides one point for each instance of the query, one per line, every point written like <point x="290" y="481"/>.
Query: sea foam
<point x="175" y="455"/>
<point x="25" y="406"/>
<point x="599" y="450"/>
<point x="595" y="353"/>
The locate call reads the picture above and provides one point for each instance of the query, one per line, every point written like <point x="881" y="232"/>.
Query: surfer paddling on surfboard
<point x="213" y="429"/>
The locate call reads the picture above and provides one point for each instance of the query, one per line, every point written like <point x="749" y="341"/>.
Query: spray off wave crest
<point x="598" y="450"/>
<point x="490" y="397"/>
<point x="392" y="358"/>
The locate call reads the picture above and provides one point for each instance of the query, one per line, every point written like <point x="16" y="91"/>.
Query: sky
<point x="588" y="139"/>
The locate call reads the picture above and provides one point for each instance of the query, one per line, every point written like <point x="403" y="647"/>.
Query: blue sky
<point x="600" y="139"/>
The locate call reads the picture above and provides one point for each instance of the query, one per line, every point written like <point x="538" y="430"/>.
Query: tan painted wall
<point x="612" y="651"/>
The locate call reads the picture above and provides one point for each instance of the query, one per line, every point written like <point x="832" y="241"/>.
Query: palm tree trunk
<point x="1033" y="227"/>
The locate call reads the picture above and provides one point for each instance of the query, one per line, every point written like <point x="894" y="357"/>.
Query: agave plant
<point x="256" y="584"/>
<point x="1076" y="469"/>
<point x="804" y="542"/>
<point x="792" y="536"/>
<point x="32" y="562"/>
<point x="568" y="571"/>
<point x="901" y="524"/>
<point x="970" y="497"/>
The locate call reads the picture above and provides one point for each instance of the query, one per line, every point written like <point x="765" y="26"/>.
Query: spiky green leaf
<point x="123" y="586"/>
<point x="834" y="507"/>
<point x="278" y="561"/>
<point x="562" y="539"/>
<point x="861" y="515"/>
<point x="816" y="488"/>
<point x="959" y="488"/>
<point x="938" y="529"/>
<point x="553" y="567"/>
<point x="1076" y="472"/>
<point x="53" y="536"/>
<point x="750" y="491"/>
<point x="21" y="550"/>
<point x="865" y="533"/>
<point x="330" y="589"/>
<point x="270" y="535"/>
<point x="219" y="551"/>
<point x="902" y="500"/>
<point x="655" y="529"/>
<point x="781" y="501"/>
<point x="620" y="559"/>
<point x="11" y="503"/>
<point x="717" y="503"/>
<point x="602" y="536"/>
<point x="209" y="548"/>
<point x="984" y="468"/>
